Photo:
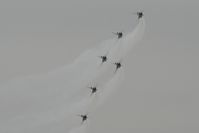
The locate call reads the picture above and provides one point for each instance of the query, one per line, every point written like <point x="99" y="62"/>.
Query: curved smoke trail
<point x="50" y="103"/>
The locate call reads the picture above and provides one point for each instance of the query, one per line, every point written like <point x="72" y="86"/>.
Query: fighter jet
<point x="84" y="117"/>
<point x="139" y="14"/>
<point x="93" y="89"/>
<point x="118" y="66"/>
<point x="119" y="34"/>
<point x="103" y="58"/>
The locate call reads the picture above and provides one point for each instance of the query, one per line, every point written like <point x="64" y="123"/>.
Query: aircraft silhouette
<point x="118" y="66"/>
<point x="119" y="34"/>
<point x="140" y="14"/>
<point x="84" y="117"/>
<point x="93" y="90"/>
<point x="103" y="58"/>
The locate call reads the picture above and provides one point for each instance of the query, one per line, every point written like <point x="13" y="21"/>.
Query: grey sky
<point x="161" y="74"/>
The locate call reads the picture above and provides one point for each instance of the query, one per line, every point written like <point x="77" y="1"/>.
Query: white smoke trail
<point x="48" y="103"/>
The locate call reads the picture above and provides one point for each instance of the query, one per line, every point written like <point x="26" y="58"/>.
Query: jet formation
<point x="104" y="59"/>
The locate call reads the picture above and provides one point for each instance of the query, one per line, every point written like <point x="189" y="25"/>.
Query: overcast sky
<point x="162" y="74"/>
